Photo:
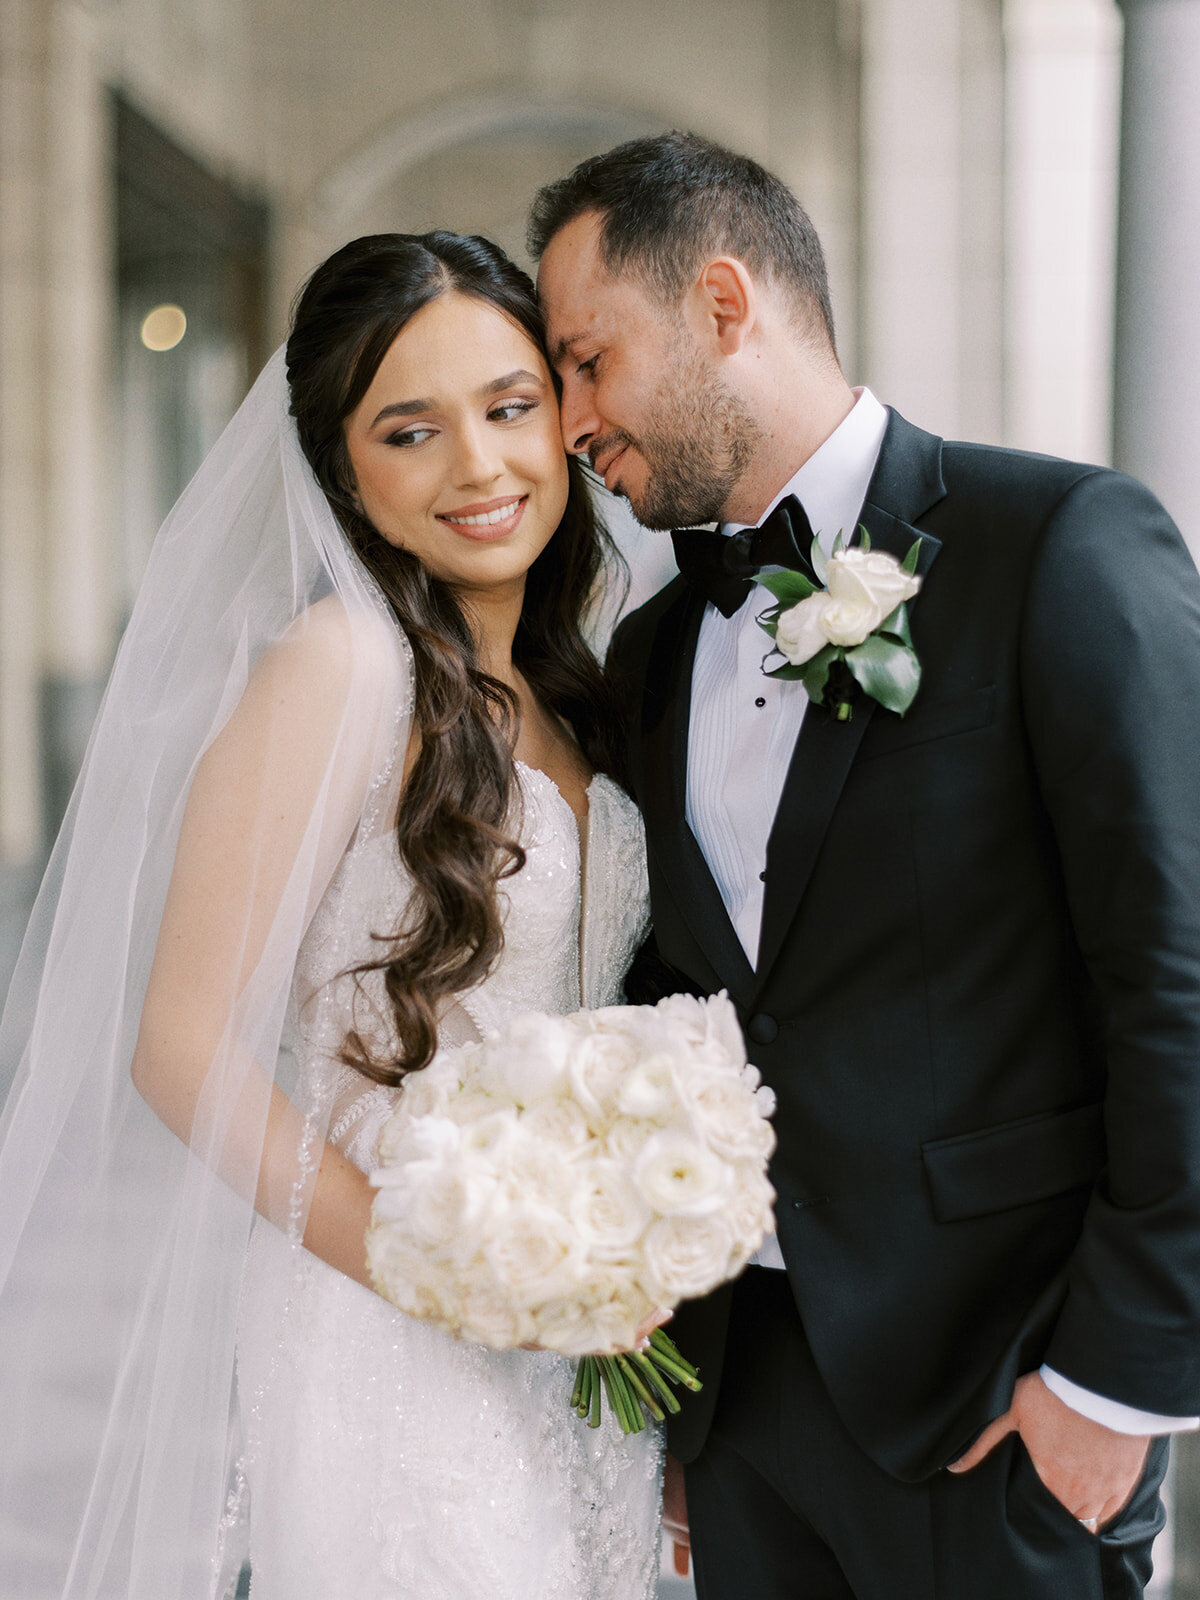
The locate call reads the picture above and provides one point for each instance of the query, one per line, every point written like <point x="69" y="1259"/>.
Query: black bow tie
<point x="721" y="565"/>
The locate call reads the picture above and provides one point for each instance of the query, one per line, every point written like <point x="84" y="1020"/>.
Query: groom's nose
<point x="579" y="421"/>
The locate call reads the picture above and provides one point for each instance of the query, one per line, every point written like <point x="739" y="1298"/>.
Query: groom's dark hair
<point x="668" y="201"/>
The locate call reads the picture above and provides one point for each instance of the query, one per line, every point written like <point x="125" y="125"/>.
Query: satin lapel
<point x="908" y="476"/>
<point x="666" y="710"/>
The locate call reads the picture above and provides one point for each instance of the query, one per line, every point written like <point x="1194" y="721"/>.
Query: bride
<point x="346" y="804"/>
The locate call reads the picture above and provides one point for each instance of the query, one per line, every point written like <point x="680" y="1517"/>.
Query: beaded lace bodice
<point x="573" y="917"/>
<point x="396" y="1462"/>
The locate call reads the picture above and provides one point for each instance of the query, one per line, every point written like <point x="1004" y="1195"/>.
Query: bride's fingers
<point x="647" y="1325"/>
<point x="682" y="1559"/>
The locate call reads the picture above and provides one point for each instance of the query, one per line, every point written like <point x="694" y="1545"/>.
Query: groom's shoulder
<point x="635" y="633"/>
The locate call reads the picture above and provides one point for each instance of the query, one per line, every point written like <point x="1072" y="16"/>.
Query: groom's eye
<point x="588" y="366"/>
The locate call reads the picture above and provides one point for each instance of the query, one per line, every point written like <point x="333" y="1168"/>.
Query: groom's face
<point x="642" y="398"/>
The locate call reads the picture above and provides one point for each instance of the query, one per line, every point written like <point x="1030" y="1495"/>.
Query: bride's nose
<point x="479" y="458"/>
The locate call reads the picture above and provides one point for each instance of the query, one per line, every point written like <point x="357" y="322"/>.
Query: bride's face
<point x="456" y="447"/>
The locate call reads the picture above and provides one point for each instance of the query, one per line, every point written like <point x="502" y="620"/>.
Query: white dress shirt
<point x="741" y="733"/>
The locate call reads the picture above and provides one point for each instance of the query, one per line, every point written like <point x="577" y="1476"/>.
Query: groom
<point x="964" y="944"/>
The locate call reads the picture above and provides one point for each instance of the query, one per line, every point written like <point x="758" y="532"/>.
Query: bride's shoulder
<point x="345" y="647"/>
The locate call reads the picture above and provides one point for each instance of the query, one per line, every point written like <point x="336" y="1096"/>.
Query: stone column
<point x="1157" y="377"/>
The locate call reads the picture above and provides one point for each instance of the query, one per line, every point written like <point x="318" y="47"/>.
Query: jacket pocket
<point x="1014" y="1163"/>
<point x="933" y="719"/>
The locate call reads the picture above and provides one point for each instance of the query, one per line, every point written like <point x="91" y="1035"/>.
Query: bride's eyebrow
<point x="414" y="408"/>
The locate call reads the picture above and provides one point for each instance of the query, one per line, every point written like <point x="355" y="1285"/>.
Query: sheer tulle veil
<point x="122" y="1248"/>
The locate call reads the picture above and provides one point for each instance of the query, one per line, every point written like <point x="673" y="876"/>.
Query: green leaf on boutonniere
<point x="896" y="626"/>
<point x="864" y="539"/>
<point x="820" y="562"/>
<point x="815" y="672"/>
<point x="909" y="564"/>
<point x="788" y="587"/>
<point x="888" y="672"/>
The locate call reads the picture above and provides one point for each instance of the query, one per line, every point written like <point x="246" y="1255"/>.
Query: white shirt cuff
<point x="1111" y="1413"/>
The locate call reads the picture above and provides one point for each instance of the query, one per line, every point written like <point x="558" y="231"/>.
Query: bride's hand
<point x="641" y="1337"/>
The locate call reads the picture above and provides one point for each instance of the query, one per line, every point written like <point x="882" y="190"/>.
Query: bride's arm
<point x="272" y="807"/>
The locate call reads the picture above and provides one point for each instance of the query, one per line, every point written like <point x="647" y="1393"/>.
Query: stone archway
<point x="470" y="163"/>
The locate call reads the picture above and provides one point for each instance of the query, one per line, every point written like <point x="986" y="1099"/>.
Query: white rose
<point x="558" y="1122"/>
<point x="650" y="1090"/>
<point x="678" y="1177"/>
<point x="528" y="1062"/>
<point x="537" y="1170"/>
<point x="600" y="1062"/>
<point x="847" y="622"/>
<point x="749" y="1212"/>
<point x="535" y="1256"/>
<point x="424" y="1094"/>
<point x="685" y="1257"/>
<point x="608" y="1211"/>
<point x="870" y="578"/>
<point x="730" y="1118"/>
<point x="800" y="632"/>
<point x="624" y="1140"/>
<point x="603" y="1318"/>
<point x="405" y="1139"/>
<point x="449" y="1204"/>
<point x="488" y="1318"/>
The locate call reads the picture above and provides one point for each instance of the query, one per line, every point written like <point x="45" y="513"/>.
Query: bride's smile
<point x="456" y="447"/>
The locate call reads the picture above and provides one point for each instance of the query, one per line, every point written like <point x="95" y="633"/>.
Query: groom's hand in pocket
<point x="1088" y="1468"/>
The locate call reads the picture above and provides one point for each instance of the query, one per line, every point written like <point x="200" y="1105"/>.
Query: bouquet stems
<point x="636" y="1383"/>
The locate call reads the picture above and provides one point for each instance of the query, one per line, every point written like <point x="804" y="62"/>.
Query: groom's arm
<point x="1110" y="671"/>
<point x="1111" y="684"/>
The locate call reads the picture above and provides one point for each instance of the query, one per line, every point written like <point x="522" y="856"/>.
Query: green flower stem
<point x="673" y="1364"/>
<point x="618" y="1397"/>
<point x="577" y="1391"/>
<point x="655" y="1380"/>
<point x="593" y="1420"/>
<point x="642" y="1393"/>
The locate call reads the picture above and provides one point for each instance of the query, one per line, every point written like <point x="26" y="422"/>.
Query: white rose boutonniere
<point x="854" y="630"/>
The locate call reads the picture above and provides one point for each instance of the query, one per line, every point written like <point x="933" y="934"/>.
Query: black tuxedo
<point x="978" y="992"/>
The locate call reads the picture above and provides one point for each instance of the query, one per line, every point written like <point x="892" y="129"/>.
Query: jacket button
<point x="762" y="1028"/>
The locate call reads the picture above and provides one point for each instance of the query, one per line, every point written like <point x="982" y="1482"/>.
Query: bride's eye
<point x="510" y="410"/>
<point x="405" y="438"/>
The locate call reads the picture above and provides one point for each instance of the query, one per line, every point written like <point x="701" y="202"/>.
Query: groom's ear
<point x="726" y="303"/>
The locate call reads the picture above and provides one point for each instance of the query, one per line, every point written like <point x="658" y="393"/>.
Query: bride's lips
<point x="481" y="522"/>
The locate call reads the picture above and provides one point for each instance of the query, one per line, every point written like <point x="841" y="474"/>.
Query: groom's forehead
<point x="580" y="296"/>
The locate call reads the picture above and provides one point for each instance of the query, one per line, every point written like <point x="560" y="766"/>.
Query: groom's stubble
<point x="699" y="443"/>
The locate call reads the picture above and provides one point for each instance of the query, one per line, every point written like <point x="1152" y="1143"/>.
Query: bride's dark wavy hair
<point x="455" y="822"/>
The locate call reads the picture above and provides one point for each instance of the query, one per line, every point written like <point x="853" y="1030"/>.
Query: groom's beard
<point x="696" y="450"/>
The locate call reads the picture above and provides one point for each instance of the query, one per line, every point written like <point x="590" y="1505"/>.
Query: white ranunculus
<point x="685" y="1256"/>
<point x="680" y="1177"/>
<point x="537" y="1170"/>
<point x="404" y="1139"/>
<point x="749" y="1210"/>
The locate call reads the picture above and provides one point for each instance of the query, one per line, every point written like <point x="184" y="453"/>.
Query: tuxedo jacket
<point x="978" y="990"/>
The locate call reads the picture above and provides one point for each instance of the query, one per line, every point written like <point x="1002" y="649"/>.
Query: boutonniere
<point x="852" y="631"/>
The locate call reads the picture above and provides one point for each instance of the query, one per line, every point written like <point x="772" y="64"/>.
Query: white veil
<point x="121" y="1248"/>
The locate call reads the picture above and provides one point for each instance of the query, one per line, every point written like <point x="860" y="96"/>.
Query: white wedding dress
<point x="384" y="1459"/>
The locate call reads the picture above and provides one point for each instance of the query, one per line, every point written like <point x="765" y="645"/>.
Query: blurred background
<point x="1008" y="192"/>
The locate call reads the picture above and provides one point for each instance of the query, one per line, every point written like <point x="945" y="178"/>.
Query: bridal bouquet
<point x="557" y="1182"/>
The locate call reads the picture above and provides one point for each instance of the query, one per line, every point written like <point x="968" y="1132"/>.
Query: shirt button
<point x="763" y="875"/>
<point x="760" y="701"/>
<point x="763" y="1028"/>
